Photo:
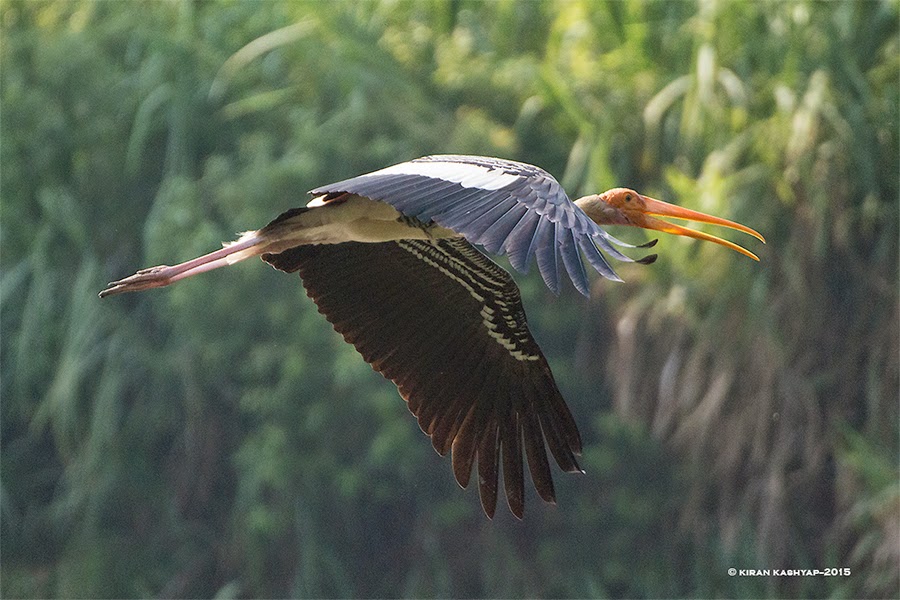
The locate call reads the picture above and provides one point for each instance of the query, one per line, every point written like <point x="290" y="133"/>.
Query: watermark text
<point x="831" y="572"/>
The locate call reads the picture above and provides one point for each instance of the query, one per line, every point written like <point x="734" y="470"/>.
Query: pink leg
<point x="153" y="277"/>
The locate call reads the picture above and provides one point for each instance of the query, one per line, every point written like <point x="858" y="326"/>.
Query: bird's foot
<point x="144" y="279"/>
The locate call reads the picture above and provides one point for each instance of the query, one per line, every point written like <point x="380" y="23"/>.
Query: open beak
<point x="657" y="208"/>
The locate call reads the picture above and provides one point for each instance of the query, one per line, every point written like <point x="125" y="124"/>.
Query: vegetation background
<point x="218" y="439"/>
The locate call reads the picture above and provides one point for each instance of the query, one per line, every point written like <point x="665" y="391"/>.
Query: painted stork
<point x="389" y="259"/>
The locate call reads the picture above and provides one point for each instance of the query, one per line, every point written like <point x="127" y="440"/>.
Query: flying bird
<point x="389" y="257"/>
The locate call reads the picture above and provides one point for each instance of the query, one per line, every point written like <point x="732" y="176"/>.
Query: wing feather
<point x="520" y="244"/>
<point x="537" y="456"/>
<point x="488" y="468"/>
<point x="513" y="478"/>
<point x="547" y="254"/>
<point x="495" y="236"/>
<point x="572" y="258"/>
<point x="596" y="260"/>
<point x="449" y="421"/>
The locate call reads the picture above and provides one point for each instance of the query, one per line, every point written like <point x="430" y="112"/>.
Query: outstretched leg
<point x="250" y="244"/>
<point x="324" y="221"/>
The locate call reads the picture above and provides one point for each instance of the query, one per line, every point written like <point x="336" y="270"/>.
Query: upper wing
<point x="446" y="325"/>
<point x="508" y="207"/>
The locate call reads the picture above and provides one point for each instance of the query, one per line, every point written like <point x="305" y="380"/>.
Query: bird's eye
<point x="627" y="197"/>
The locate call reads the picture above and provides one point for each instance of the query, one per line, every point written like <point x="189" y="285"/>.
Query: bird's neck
<point x="600" y="212"/>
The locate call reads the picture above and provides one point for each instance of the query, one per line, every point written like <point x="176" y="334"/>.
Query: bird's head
<point x="622" y="206"/>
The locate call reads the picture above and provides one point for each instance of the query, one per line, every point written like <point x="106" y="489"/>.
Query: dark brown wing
<point x="446" y="325"/>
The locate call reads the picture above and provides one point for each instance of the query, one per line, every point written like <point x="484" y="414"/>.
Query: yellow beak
<point x="657" y="208"/>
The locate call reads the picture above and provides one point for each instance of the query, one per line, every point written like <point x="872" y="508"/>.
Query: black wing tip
<point x="574" y="467"/>
<point x="647" y="260"/>
<point x="649" y="244"/>
<point x="488" y="511"/>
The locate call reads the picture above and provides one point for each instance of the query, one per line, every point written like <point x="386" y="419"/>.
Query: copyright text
<point x="835" y="572"/>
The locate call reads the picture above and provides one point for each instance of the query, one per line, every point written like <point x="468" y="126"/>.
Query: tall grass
<point x="218" y="438"/>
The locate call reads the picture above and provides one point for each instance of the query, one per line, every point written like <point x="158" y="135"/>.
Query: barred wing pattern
<point x="507" y="207"/>
<point x="446" y="325"/>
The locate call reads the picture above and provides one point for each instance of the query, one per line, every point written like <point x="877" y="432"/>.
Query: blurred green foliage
<point x="218" y="439"/>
